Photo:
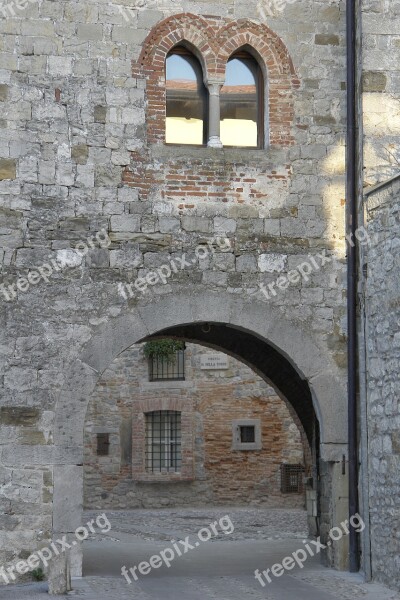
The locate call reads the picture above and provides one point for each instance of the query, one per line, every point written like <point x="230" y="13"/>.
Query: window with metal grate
<point x="163" y="441"/>
<point x="164" y="369"/>
<point x="292" y="478"/>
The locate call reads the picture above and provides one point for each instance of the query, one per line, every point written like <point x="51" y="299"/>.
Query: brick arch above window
<point x="277" y="66"/>
<point x="196" y="31"/>
<point x="262" y="39"/>
<point x="213" y="41"/>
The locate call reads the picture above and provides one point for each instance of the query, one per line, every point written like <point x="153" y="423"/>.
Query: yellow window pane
<point x="239" y="132"/>
<point x="179" y="130"/>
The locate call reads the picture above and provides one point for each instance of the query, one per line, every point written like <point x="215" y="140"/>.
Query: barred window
<point x="247" y="434"/>
<point x="103" y="444"/>
<point x="292" y="479"/>
<point x="171" y="368"/>
<point x="163" y="441"/>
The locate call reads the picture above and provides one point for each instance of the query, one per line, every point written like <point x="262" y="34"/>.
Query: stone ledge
<point x="272" y="155"/>
<point x="167" y="478"/>
<point x="164" y="385"/>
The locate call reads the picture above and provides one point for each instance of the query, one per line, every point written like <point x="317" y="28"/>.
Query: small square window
<point x="247" y="434"/>
<point x="103" y="444"/>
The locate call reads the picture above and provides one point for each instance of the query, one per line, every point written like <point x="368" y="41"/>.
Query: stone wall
<point x="76" y="159"/>
<point x="212" y="400"/>
<point x="380" y="60"/>
<point x="382" y="314"/>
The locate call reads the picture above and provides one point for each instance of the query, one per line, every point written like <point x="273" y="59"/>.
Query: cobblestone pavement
<point x="250" y="523"/>
<point x="222" y="569"/>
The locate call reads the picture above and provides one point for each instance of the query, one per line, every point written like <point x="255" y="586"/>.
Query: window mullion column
<point x="214" y="114"/>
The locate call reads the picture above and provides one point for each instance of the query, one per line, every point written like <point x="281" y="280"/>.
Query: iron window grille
<point x="167" y="369"/>
<point x="103" y="444"/>
<point x="247" y="434"/>
<point x="163" y="441"/>
<point x="292" y="478"/>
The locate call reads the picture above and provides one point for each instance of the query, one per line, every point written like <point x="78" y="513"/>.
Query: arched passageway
<point x="302" y="372"/>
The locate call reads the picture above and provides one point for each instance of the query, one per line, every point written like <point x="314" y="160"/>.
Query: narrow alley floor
<point x="221" y="568"/>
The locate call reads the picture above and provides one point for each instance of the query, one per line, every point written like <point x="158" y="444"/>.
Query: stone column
<point x="214" y="114"/>
<point x="334" y="511"/>
<point x="67" y="518"/>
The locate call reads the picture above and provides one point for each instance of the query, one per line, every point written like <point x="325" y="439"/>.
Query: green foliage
<point x="38" y="574"/>
<point x="166" y="348"/>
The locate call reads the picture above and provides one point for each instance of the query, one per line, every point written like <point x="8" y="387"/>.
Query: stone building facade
<point x="381" y="449"/>
<point x="216" y="402"/>
<point x="379" y="126"/>
<point x="93" y="202"/>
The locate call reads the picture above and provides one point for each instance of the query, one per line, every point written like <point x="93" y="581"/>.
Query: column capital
<point x="214" y="86"/>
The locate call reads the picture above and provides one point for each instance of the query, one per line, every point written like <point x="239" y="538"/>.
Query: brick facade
<point x="209" y="402"/>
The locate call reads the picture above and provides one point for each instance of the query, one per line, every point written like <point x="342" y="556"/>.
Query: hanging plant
<point x="163" y="349"/>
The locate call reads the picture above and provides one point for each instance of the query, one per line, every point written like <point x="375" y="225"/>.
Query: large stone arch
<point x="314" y="368"/>
<point x="310" y="361"/>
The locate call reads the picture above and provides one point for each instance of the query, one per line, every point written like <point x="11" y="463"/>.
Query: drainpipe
<point x="351" y="225"/>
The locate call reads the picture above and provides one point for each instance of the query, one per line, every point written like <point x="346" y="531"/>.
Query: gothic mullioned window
<point x="230" y="116"/>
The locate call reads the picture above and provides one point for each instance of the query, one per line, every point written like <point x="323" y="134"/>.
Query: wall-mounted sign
<point x="214" y="361"/>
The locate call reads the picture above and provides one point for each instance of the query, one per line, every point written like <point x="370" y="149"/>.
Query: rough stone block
<point x="130" y="223"/>
<point x="3" y="92"/>
<point x="90" y="31"/>
<point x="246" y="263"/>
<point x="200" y="224"/>
<point x="60" y="65"/>
<point x="128" y="35"/>
<point x="168" y="224"/>
<point x="272" y="263"/>
<point x="80" y="153"/>
<point x="18" y="416"/>
<point x="374" y="81"/>
<point x="107" y="175"/>
<point x="327" y="39"/>
<point x="8" y="168"/>
<point x="59" y="576"/>
<point x="223" y="225"/>
<point x="127" y="258"/>
<point x="67" y="498"/>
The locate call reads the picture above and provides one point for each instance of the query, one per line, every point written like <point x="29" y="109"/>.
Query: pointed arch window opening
<point x="242" y="102"/>
<point x="186" y="99"/>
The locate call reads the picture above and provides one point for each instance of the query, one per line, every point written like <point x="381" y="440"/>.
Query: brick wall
<point x="211" y="471"/>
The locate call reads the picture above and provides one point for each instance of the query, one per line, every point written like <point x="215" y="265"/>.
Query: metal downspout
<point x="351" y="225"/>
